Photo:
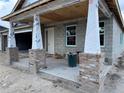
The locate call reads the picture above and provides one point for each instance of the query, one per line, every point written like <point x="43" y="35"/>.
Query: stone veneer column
<point x="37" y="54"/>
<point x="90" y="69"/>
<point x="37" y="60"/>
<point x="91" y="59"/>
<point x="12" y="55"/>
<point x="12" y="50"/>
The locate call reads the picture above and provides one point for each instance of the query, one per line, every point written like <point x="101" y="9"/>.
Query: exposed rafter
<point x="104" y="8"/>
<point x="114" y="7"/>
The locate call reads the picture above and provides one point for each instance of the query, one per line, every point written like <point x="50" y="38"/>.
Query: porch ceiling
<point x="57" y="15"/>
<point x="67" y="13"/>
<point x="72" y="12"/>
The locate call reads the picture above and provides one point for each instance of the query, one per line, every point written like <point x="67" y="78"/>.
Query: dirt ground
<point x="15" y="81"/>
<point x="115" y="81"/>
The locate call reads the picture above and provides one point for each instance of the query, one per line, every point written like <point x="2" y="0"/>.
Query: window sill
<point x="71" y="46"/>
<point x="102" y="46"/>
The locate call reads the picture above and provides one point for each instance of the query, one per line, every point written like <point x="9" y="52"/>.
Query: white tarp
<point x="92" y="40"/>
<point x="37" y="42"/>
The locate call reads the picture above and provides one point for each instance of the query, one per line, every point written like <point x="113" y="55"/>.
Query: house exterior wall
<point x="118" y="40"/>
<point x="60" y="38"/>
<point x="107" y="49"/>
<point x="0" y="42"/>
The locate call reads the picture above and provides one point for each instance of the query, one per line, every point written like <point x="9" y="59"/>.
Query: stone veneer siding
<point x="90" y="69"/>
<point x="13" y="55"/>
<point x="60" y="38"/>
<point x="37" y="60"/>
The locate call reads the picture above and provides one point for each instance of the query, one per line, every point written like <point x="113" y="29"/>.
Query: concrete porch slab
<point x="55" y="67"/>
<point x="59" y="68"/>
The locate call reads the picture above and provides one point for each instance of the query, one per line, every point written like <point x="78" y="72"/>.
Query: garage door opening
<point x="24" y="41"/>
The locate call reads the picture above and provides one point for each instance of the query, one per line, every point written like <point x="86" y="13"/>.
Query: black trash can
<point x="72" y="60"/>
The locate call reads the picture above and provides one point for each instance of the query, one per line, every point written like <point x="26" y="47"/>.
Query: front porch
<point x="59" y="72"/>
<point x="90" y="60"/>
<point x="55" y="67"/>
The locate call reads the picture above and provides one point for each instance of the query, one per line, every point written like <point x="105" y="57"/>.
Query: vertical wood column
<point x="11" y="37"/>
<point x="0" y="42"/>
<point x="37" y="41"/>
<point x="12" y="50"/>
<point x="92" y="40"/>
<point x="37" y="54"/>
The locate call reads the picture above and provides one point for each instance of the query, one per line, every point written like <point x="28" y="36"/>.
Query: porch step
<point x="58" y="81"/>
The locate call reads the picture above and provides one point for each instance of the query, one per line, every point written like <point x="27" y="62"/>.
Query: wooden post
<point x="37" y="42"/>
<point x="11" y="37"/>
<point x="92" y="40"/>
<point x="12" y="50"/>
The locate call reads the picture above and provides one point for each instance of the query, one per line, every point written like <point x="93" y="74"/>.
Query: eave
<point x="18" y="5"/>
<point x="112" y="4"/>
<point x="114" y="7"/>
<point x="7" y="17"/>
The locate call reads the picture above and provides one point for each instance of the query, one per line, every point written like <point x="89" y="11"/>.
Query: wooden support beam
<point x="92" y="40"/>
<point x="37" y="42"/>
<point x="104" y="8"/>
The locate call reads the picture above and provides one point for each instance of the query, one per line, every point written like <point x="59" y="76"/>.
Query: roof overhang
<point x="115" y="8"/>
<point x="112" y="4"/>
<point x="42" y="2"/>
<point x="18" y="5"/>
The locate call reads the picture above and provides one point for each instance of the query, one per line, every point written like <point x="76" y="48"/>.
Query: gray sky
<point x="6" y="7"/>
<point x="121" y="2"/>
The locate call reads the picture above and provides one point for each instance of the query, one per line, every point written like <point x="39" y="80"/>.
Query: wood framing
<point x="104" y="8"/>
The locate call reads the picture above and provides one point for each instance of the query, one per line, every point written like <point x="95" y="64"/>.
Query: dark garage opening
<point x="24" y="40"/>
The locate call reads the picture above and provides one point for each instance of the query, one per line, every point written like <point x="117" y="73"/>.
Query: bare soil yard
<point x="15" y="81"/>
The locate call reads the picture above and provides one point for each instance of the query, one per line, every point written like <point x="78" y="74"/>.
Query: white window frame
<point x="74" y="35"/>
<point x="102" y="33"/>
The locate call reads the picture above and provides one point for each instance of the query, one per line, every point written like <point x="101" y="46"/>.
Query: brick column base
<point x="37" y="59"/>
<point x="13" y="55"/>
<point x="90" y="68"/>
